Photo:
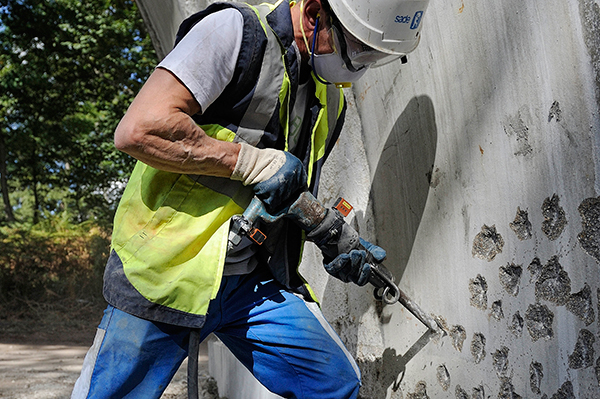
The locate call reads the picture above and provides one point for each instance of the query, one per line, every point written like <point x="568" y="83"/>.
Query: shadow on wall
<point x="402" y="180"/>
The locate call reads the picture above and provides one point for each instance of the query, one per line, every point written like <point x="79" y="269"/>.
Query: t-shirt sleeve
<point x="204" y="60"/>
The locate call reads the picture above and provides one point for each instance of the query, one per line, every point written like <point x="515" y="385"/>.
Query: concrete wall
<point x="476" y="167"/>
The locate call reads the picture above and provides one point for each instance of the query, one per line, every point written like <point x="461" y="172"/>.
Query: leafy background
<point x="69" y="70"/>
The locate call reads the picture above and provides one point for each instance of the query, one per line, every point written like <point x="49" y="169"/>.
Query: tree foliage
<point x="69" y="69"/>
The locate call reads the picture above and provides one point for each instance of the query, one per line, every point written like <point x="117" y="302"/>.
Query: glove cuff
<point x="256" y="165"/>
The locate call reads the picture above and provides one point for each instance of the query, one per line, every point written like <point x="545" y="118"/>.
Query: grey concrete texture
<point x="475" y="165"/>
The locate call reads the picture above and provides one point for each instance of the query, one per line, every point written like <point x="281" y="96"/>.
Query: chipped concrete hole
<point x="458" y="335"/>
<point x="461" y="393"/>
<point x="589" y="238"/>
<point x="538" y="319"/>
<point x="565" y="391"/>
<point x="516" y="326"/>
<point x="478" y="393"/>
<point x="553" y="283"/>
<point x="487" y="243"/>
<point x="580" y="304"/>
<point x="500" y="362"/>
<point x="507" y="390"/>
<point x="521" y="226"/>
<point x="583" y="354"/>
<point x="420" y="391"/>
<point x="478" y="347"/>
<point x="536" y="374"/>
<point x="497" y="312"/>
<point x="478" y="289"/>
<point x="555" y="112"/>
<point x="516" y="128"/>
<point x="510" y="276"/>
<point x="597" y="370"/>
<point x="443" y="377"/>
<point x="554" y="218"/>
<point x="535" y="269"/>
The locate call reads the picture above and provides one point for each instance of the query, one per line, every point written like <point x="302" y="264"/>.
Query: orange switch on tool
<point x="343" y="206"/>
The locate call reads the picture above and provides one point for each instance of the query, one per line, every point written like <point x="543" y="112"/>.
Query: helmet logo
<point x="416" y="20"/>
<point x="405" y="19"/>
<point x="402" y="19"/>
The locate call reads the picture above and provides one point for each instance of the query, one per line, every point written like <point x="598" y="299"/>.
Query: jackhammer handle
<point x="306" y="211"/>
<point x="383" y="281"/>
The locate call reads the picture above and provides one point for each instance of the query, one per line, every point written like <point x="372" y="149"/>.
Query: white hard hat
<point x="389" y="26"/>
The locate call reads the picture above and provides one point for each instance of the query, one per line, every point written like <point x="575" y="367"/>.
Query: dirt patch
<point x="63" y="322"/>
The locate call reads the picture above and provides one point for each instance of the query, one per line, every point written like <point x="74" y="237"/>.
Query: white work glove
<point x="278" y="176"/>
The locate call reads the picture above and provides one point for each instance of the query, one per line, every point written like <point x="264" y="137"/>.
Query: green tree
<point x="69" y="69"/>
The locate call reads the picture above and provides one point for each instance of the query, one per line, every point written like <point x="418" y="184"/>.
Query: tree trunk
<point x="4" y="181"/>
<point x="34" y="187"/>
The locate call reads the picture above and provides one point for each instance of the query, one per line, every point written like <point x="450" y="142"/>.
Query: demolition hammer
<point x="308" y="212"/>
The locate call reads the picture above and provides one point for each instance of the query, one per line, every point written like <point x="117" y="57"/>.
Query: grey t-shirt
<point x="204" y="61"/>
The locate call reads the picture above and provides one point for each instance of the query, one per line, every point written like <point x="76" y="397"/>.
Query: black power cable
<point x="192" y="369"/>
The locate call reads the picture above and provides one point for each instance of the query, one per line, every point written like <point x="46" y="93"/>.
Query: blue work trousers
<point x="282" y="339"/>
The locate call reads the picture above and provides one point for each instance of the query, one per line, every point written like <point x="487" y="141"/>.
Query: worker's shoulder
<point x="225" y="18"/>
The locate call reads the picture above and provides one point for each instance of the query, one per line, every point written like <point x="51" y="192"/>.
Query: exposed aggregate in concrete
<point x="565" y="391"/>
<point x="554" y="218"/>
<point x="460" y="393"/>
<point x="553" y="284"/>
<point x="516" y="326"/>
<point x="555" y="112"/>
<point x="458" y="334"/>
<point x="589" y="238"/>
<point x="535" y="269"/>
<point x="583" y="355"/>
<point x="500" y="362"/>
<point x="497" y="312"/>
<point x="536" y="374"/>
<point x="443" y="377"/>
<point x="550" y="283"/>
<point x="507" y="390"/>
<point x="521" y="225"/>
<point x="420" y="391"/>
<point x="516" y="127"/>
<point x="510" y="276"/>
<point x="478" y="393"/>
<point x="478" y="288"/>
<point x="478" y="347"/>
<point x="580" y="304"/>
<point x="538" y="320"/>
<point x="487" y="243"/>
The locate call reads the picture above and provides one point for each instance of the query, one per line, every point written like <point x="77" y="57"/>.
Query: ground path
<point x="41" y="356"/>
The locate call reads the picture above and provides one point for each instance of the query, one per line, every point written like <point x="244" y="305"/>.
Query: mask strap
<point x="312" y="53"/>
<point x="344" y="49"/>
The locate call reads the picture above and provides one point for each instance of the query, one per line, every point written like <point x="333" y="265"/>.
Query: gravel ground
<point x="42" y="350"/>
<point x="30" y="371"/>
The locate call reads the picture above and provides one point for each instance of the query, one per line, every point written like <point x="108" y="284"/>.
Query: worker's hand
<point x="333" y="235"/>
<point x="354" y="266"/>
<point x="278" y="176"/>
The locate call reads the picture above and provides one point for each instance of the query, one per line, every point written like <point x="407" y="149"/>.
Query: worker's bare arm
<point x="159" y="131"/>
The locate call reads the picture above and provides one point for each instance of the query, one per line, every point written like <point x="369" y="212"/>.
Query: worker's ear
<point x="312" y="10"/>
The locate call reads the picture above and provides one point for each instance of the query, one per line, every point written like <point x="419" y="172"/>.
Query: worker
<point x="248" y="103"/>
